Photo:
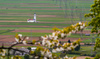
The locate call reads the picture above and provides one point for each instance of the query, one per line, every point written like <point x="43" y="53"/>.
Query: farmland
<point x="50" y="14"/>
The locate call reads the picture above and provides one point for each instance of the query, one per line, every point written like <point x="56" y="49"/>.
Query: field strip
<point x="30" y="15"/>
<point x="40" y="22"/>
<point x="46" y="15"/>
<point x="12" y="21"/>
<point x="39" y="6"/>
<point x="21" y="8"/>
<point x="82" y="57"/>
<point x="22" y="26"/>
<point x="11" y="38"/>
<point x="37" y="31"/>
<point x="46" y="31"/>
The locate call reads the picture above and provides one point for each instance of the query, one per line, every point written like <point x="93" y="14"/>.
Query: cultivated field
<point x="14" y="15"/>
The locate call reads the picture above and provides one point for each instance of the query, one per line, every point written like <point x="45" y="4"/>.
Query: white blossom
<point x="54" y="51"/>
<point x="84" y="25"/>
<point x="73" y="31"/>
<point x="69" y="34"/>
<point x="53" y="34"/>
<point x="3" y="54"/>
<point x="58" y="49"/>
<point x="48" y="41"/>
<point x="17" y="40"/>
<point x="76" y="28"/>
<point x="81" y="27"/>
<point x="65" y="57"/>
<point x="43" y="42"/>
<point x="61" y="49"/>
<point x="12" y="57"/>
<point x="45" y="57"/>
<point x="27" y="38"/>
<point x="80" y="23"/>
<point x="20" y="35"/>
<point x="58" y="44"/>
<point x="50" y="55"/>
<point x="76" y="45"/>
<point x="42" y="52"/>
<point x="55" y="38"/>
<point x="50" y="37"/>
<point x="36" y="57"/>
<point x="62" y="35"/>
<point x="25" y="42"/>
<point x="64" y="44"/>
<point x="44" y="37"/>
<point x="68" y="48"/>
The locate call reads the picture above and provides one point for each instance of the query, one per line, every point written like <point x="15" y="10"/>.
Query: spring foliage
<point x="95" y="22"/>
<point x="95" y="14"/>
<point x="50" y="42"/>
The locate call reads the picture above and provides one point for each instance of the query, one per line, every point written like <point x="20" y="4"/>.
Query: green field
<point x="67" y="13"/>
<point x="60" y="14"/>
<point x="22" y="10"/>
<point x="50" y="13"/>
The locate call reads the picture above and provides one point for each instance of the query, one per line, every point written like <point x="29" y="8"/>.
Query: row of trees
<point x="95" y="22"/>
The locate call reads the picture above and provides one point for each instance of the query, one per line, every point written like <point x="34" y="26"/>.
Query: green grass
<point x="88" y="50"/>
<point x="27" y="10"/>
<point x="8" y="32"/>
<point x="25" y="1"/>
<point x="34" y="24"/>
<point x="79" y="36"/>
<point x="29" y="28"/>
<point x="72" y="55"/>
<point x="87" y="41"/>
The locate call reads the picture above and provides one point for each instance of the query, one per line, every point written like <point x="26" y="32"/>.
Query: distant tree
<point x="95" y="14"/>
<point x="97" y="56"/>
<point x="95" y="23"/>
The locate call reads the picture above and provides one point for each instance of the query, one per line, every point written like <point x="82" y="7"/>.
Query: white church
<point x="32" y="20"/>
